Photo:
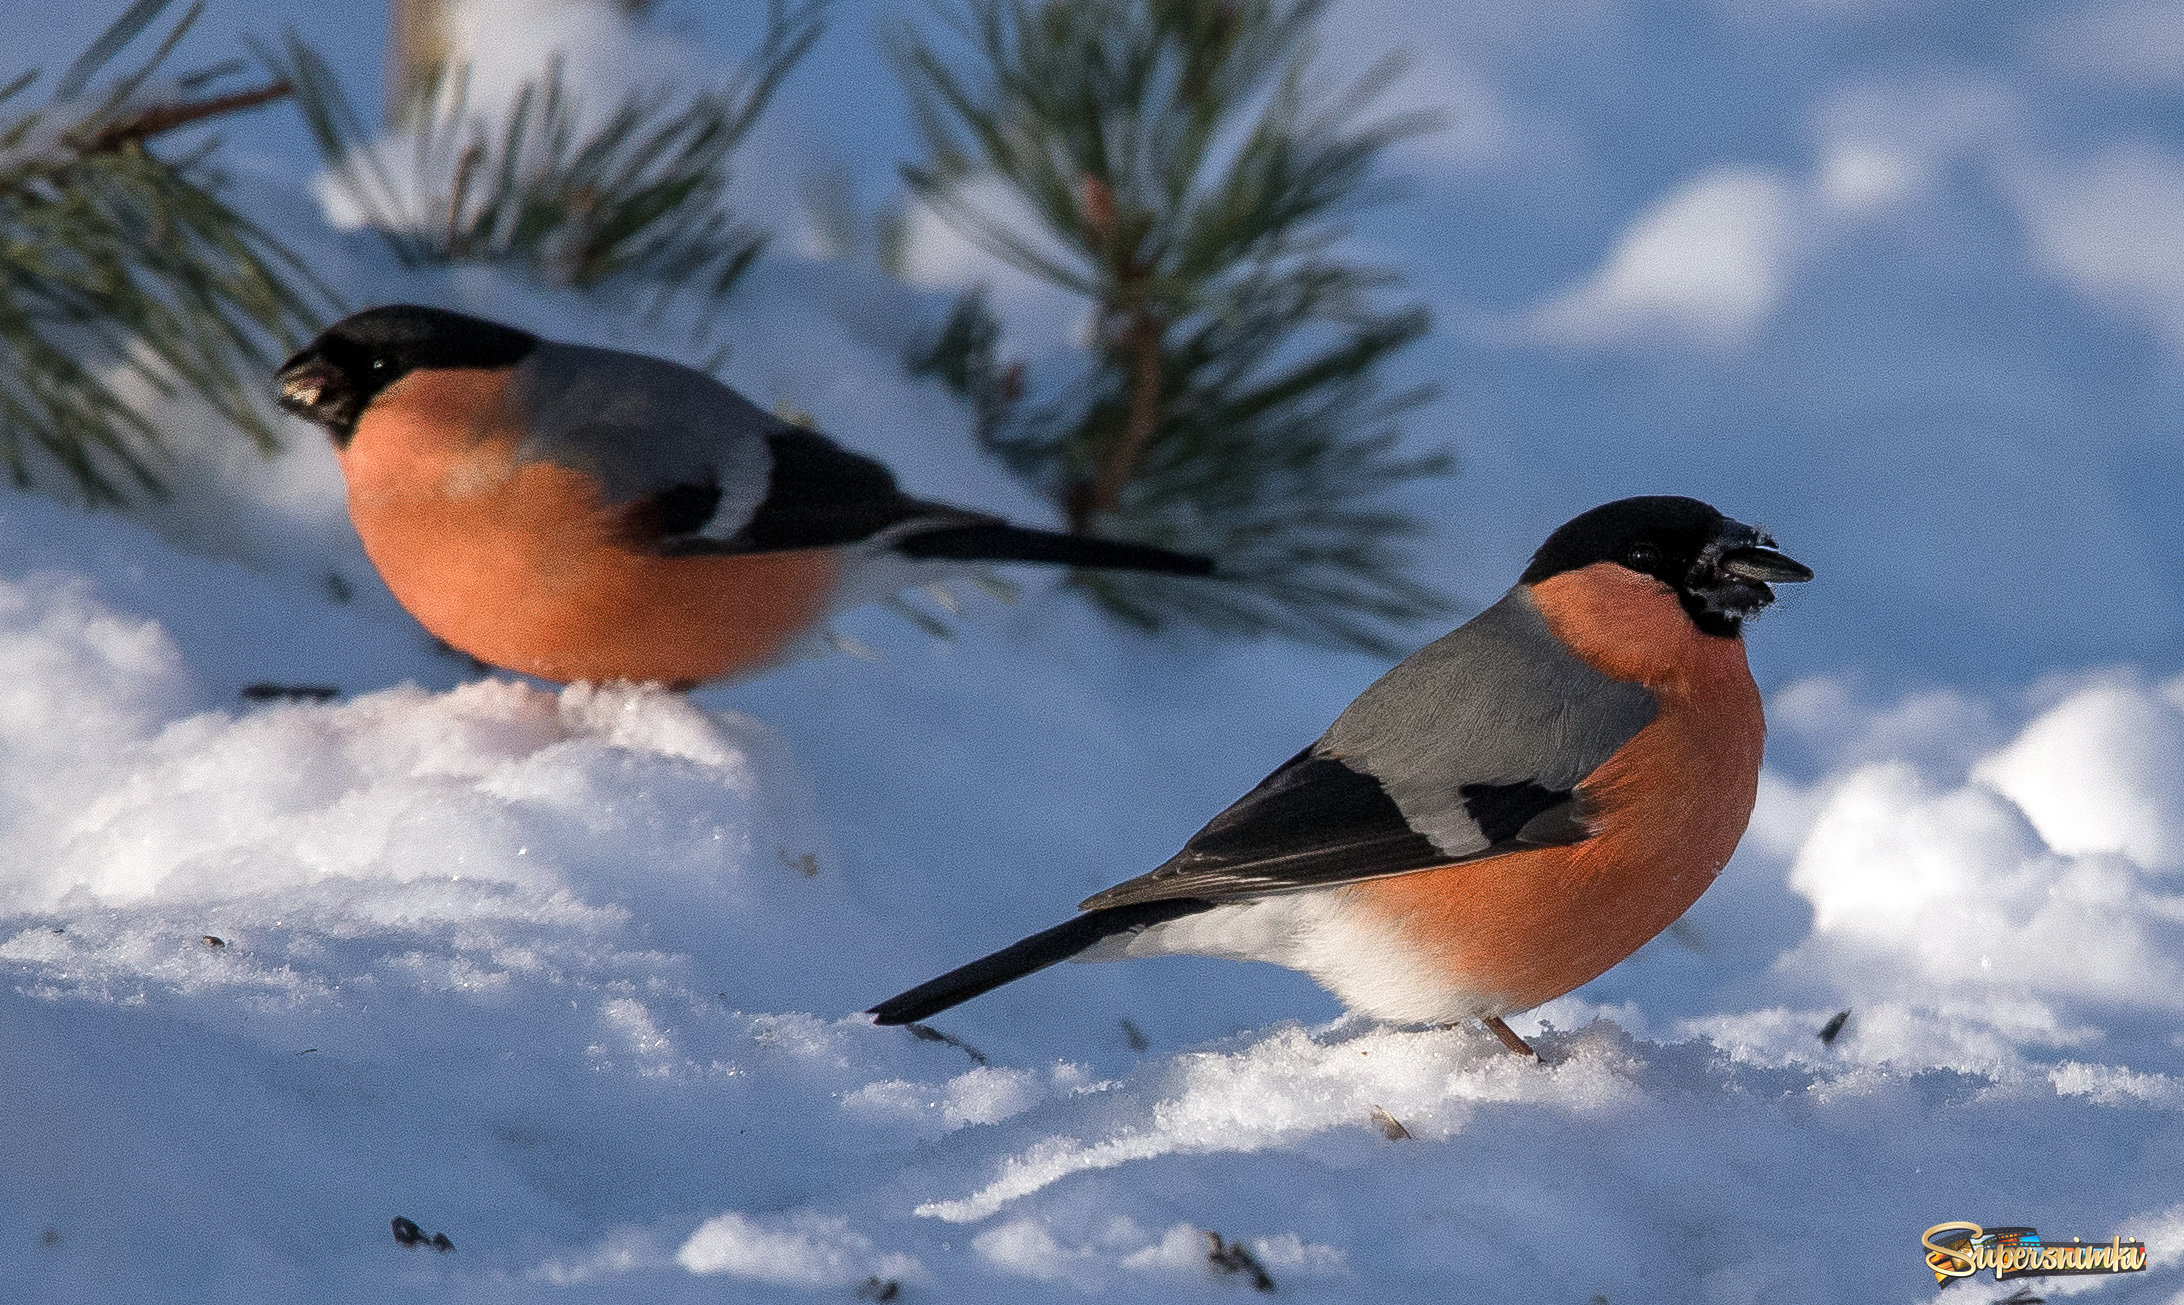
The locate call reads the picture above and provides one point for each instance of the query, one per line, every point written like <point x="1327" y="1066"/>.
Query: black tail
<point x="997" y="541"/>
<point x="1034" y="953"/>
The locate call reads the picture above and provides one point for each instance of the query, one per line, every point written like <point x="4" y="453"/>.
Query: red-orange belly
<point x="609" y="614"/>
<point x="521" y="566"/>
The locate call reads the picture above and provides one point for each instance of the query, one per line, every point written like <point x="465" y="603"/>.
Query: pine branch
<point x="1100" y="496"/>
<point x="635" y="204"/>
<point x="117" y="265"/>
<point x="962" y="356"/>
<point x="1186" y="177"/>
<point x="160" y="119"/>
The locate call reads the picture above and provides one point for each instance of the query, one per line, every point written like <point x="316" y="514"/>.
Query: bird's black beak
<point x="320" y="391"/>
<point x="306" y="381"/>
<point x="1730" y="579"/>
<point x="1763" y="564"/>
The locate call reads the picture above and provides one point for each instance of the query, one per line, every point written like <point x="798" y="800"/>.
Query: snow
<point x="570" y="976"/>
<point x="549" y="972"/>
<point x="1709" y="262"/>
<point x="810" y="1251"/>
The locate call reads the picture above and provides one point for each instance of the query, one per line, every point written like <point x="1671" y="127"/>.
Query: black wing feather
<point x="818" y="495"/>
<point x="1019" y="959"/>
<point x="679" y="509"/>
<point x="1318" y="821"/>
<point x="1504" y="811"/>
<point x="821" y="494"/>
<point x="1476" y="746"/>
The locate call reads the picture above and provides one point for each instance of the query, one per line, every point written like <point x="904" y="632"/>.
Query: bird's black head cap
<point x="333" y="379"/>
<point x="1719" y="568"/>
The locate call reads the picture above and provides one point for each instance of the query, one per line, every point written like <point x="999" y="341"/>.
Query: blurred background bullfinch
<point x="1510" y="811"/>
<point x="586" y="514"/>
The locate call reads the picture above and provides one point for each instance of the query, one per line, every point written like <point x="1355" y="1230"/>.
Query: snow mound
<point x="2030" y="899"/>
<point x="567" y="977"/>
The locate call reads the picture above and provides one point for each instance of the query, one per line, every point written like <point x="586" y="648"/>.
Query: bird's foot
<point x="1509" y="1037"/>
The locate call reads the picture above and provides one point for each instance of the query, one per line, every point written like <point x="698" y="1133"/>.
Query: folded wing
<point x="697" y="468"/>
<point x="1476" y="746"/>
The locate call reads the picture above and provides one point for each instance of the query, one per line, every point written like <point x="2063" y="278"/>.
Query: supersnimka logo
<point x="1958" y="1250"/>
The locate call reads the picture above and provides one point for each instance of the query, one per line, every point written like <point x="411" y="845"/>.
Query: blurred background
<point x="1899" y="280"/>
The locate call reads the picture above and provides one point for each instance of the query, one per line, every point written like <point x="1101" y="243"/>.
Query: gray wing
<point x="699" y="467"/>
<point x="1475" y="746"/>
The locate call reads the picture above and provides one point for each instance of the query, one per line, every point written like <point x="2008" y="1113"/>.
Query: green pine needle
<point x="1187" y="177"/>
<point x="637" y="203"/>
<point x="116" y="263"/>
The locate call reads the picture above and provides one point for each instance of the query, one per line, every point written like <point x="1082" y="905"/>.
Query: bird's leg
<point x="1509" y="1037"/>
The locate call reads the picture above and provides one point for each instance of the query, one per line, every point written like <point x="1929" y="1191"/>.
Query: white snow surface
<point x="570" y="976"/>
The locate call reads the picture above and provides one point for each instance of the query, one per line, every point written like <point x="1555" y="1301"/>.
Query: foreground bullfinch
<point x="585" y="514"/>
<point x="1510" y="811"/>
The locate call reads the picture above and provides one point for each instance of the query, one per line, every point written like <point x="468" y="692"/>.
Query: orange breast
<point x="1669" y="808"/>
<point x="522" y="566"/>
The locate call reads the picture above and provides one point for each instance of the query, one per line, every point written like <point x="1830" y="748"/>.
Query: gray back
<point x="643" y="425"/>
<point x="1497" y="701"/>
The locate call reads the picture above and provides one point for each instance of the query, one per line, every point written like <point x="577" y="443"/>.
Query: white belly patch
<point x="1365" y="963"/>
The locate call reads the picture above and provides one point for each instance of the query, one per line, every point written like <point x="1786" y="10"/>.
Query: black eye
<point x="378" y="364"/>
<point x="1642" y="557"/>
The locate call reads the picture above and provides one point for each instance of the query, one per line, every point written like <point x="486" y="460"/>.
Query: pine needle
<point x="116" y="264"/>
<point x="1189" y="179"/>
<point x="636" y="205"/>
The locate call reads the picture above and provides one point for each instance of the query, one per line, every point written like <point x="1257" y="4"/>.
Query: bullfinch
<point x="585" y="514"/>
<point x="1514" y="808"/>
